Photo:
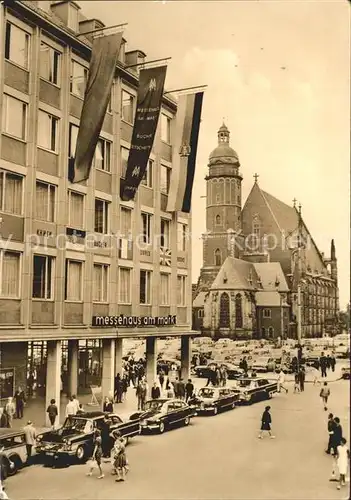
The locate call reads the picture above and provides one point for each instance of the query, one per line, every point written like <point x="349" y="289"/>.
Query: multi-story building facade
<point x="74" y="255"/>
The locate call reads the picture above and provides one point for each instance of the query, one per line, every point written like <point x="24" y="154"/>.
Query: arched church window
<point x="224" y="317"/>
<point x="238" y="311"/>
<point x="218" y="257"/>
<point x="218" y="220"/>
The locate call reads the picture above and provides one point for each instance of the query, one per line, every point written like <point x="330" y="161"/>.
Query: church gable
<point x="236" y="274"/>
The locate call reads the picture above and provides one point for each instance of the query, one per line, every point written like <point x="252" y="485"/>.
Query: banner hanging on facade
<point x="150" y="91"/>
<point x="184" y="152"/>
<point x="97" y="95"/>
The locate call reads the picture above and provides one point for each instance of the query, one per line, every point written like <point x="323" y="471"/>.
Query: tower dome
<point x="223" y="153"/>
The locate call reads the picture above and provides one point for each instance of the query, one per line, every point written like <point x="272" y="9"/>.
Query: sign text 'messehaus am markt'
<point x="133" y="321"/>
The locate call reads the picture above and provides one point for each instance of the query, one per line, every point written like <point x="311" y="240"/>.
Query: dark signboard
<point x="7" y="382"/>
<point x="133" y="321"/>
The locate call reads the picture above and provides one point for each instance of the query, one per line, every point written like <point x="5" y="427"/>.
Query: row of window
<point x="17" y="50"/>
<point x="11" y="201"/>
<point x="44" y="281"/>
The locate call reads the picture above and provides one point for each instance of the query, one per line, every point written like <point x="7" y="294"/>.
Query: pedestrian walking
<point x="125" y="385"/>
<point x="52" y="412"/>
<point x="324" y="395"/>
<point x="342" y="462"/>
<point x="20" y="401"/>
<point x="335" y="442"/>
<point x="266" y="421"/>
<point x="96" y="458"/>
<point x="181" y="389"/>
<point x="332" y="362"/>
<point x="330" y="426"/>
<point x="120" y="462"/>
<point x="30" y="435"/>
<point x="302" y="377"/>
<point x="189" y="390"/>
<point x="3" y="419"/>
<point x="106" y="443"/>
<point x="323" y="365"/>
<point x="176" y="387"/>
<point x="281" y="381"/>
<point x="297" y="383"/>
<point x="76" y="403"/>
<point x="328" y="362"/>
<point x="141" y="392"/>
<point x="161" y="378"/>
<point x="108" y="406"/>
<point x="118" y="389"/>
<point x="10" y="410"/>
<point x="155" y="391"/>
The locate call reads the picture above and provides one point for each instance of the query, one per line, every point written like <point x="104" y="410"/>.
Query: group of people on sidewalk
<point x="14" y="409"/>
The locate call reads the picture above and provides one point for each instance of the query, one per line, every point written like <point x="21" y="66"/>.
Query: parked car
<point x="252" y="390"/>
<point x="233" y="371"/>
<point x="75" y="439"/>
<point x="264" y="365"/>
<point x="14" y="454"/>
<point x="345" y="372"/>
<point x="312" y="360"/>
<point x="213" y="399"/>
<point x="163" y="414"/>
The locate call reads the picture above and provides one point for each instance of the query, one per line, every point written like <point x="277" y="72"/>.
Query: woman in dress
<point x="266" y="421"/>
<point x="120" y="463"/>
<point x="96" y="458"/>
<point x="342" y="461"/>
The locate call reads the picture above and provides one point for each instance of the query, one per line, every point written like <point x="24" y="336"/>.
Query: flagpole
<point x="185" y="88"/>
<point x="147" y="62"/>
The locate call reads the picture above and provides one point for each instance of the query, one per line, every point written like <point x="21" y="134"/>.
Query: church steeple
<point x="223" y="135"/>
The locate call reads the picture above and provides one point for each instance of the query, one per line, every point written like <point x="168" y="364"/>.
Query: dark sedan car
<point x="252" y="390"/>
<point x="164" y="414"/>
<point x="75" y="439"/>
<point x="233" y="371"/>
<point x="213" y="400"/>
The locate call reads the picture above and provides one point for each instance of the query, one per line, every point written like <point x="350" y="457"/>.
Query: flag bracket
<point x="147" y="62"/>
<point x="103" y="29"/>
<point x="199" y="87"/>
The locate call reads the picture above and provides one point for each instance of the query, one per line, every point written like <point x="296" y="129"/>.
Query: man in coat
<point x="181" y="389"/>
<point x="189" y="390"/>
<point x="30" y="435"/>
<point x="323" y="365"/>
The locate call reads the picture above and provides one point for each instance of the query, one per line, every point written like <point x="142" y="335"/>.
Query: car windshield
<point x="153" y="405"/>
<point x="78" y="424"/>
<point x="244" y="383"/>
<point x="206" y="393"/>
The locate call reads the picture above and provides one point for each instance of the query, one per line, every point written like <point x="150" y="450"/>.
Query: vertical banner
<point x="184" y="152"/>
<point x="97" y="94"/>
<point x="150" y="91"/>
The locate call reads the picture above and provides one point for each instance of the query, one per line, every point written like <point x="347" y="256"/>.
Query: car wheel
<point x="232" y="405"/>
<point x="13" y="465"/>
<point x="215" y="410"/>
<point x="80" y="453"/>
<point x="187" y="421"/>
<point x="161" y="428"/>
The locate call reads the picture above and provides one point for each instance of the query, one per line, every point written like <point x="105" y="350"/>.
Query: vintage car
<point x="233" y="371"/>
<point x="345" y="372"/>
<point x="14" y="451"/>
<point x="264" y="365"/>
<point x="75" y="439"/>
<point x="164" y="414"/>
<point x="213" y="399"/>
<point x="251" y="389"/>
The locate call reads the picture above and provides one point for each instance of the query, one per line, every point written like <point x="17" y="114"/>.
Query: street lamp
<point x="277" y="283"/>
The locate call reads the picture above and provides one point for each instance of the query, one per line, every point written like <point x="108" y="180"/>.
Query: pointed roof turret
<point x="223" y="150"/>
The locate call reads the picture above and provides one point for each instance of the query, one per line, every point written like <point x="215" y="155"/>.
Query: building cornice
<point x="80" y="45"/>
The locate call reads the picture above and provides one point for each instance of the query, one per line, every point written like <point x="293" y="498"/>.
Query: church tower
<point x="223" y="209"/>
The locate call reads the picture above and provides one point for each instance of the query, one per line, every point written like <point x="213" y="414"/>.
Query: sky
<point x="291" y="126"/>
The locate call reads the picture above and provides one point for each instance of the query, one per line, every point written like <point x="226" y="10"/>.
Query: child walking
<point x="96" y="458"/>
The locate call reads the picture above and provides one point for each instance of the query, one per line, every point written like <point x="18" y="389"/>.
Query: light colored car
<point x="14" y="451"/>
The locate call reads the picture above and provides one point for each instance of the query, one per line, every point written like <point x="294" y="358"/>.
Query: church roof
<point x="286" y="217"/>
<point x="269" y="273"/>
<point x="235" y="275"/>
<point x="268" y="299"/>
<point x="223" y="150"/>
<point x="199" y="300"/>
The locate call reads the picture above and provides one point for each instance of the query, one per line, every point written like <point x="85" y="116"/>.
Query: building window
<point x="181" y="290"/>
<point x="100" y="283"/>
<point x="263" y="332"/>
<point x="10" y="264"/>
<point x="165" y="232"/>
<point x="45" y="201"/>
<point x="218" y="220"/>
<point x="256" y="227"/>
<point x="17" y="45"/>
<point x="72" y="21"/>
<point x="200" y="313"/>
<point x="165" y="179"/>
<point x="270" y="332"/>
<point x="102" y="158"/>
<point x="14" y="117"/>
<point x="218" y="257"/>
<point x="109" y="105"/>
<point x="224" y="311"/>
<point x="75" y="210"/>
<point x="145" y="287"/>
<point x="146" y="221"/>
<point x="101" y="216"/>
<point x="11" y="192"/>
<point x="48" y="131"/>
<point x="49" y="64"/>
<point x="126" y="222"/>
<point x="74" y="281"/>
<point x="124" y="161"/>
<point x="127" y="110"/>
<point x="181" y="236"/>
<point x="164" y="289"/>
<point x="238" y="311"/>
<point x="147" y="179"/>
<point x="267" y="313"/>
<point x="165" y="128"/>
<point x="124" y="285"/>
<point x="43" y="277"/>
<point x="73" y="134"/>
<point x="79" y="77"/>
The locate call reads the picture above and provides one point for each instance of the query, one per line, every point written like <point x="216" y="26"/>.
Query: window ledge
<point x="101" y="303"/>
<point x="74" y="302"/>
<point x="77" y="96"/>
<point x="47" y="150"/>
<point x="102" y="170"/>
<point x="75" y="326"/>
<point x="42" y="326"/>
<point x="17" y="65"/>
<point x="50" y="83"/>
<point x="35" y="299"/>
<point x="128" y="123"/>
<point x="14" y="137"/>
<point x="9" y="298"/>
<point x="11" y="213"/>
<point x="12" y="326"/>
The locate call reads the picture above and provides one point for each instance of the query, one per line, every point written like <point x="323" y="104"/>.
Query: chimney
<point x="68" y="12"/>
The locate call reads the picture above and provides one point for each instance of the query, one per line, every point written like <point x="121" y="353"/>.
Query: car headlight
<point x="39" y="438"/>
<point x="67" y="446"/>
